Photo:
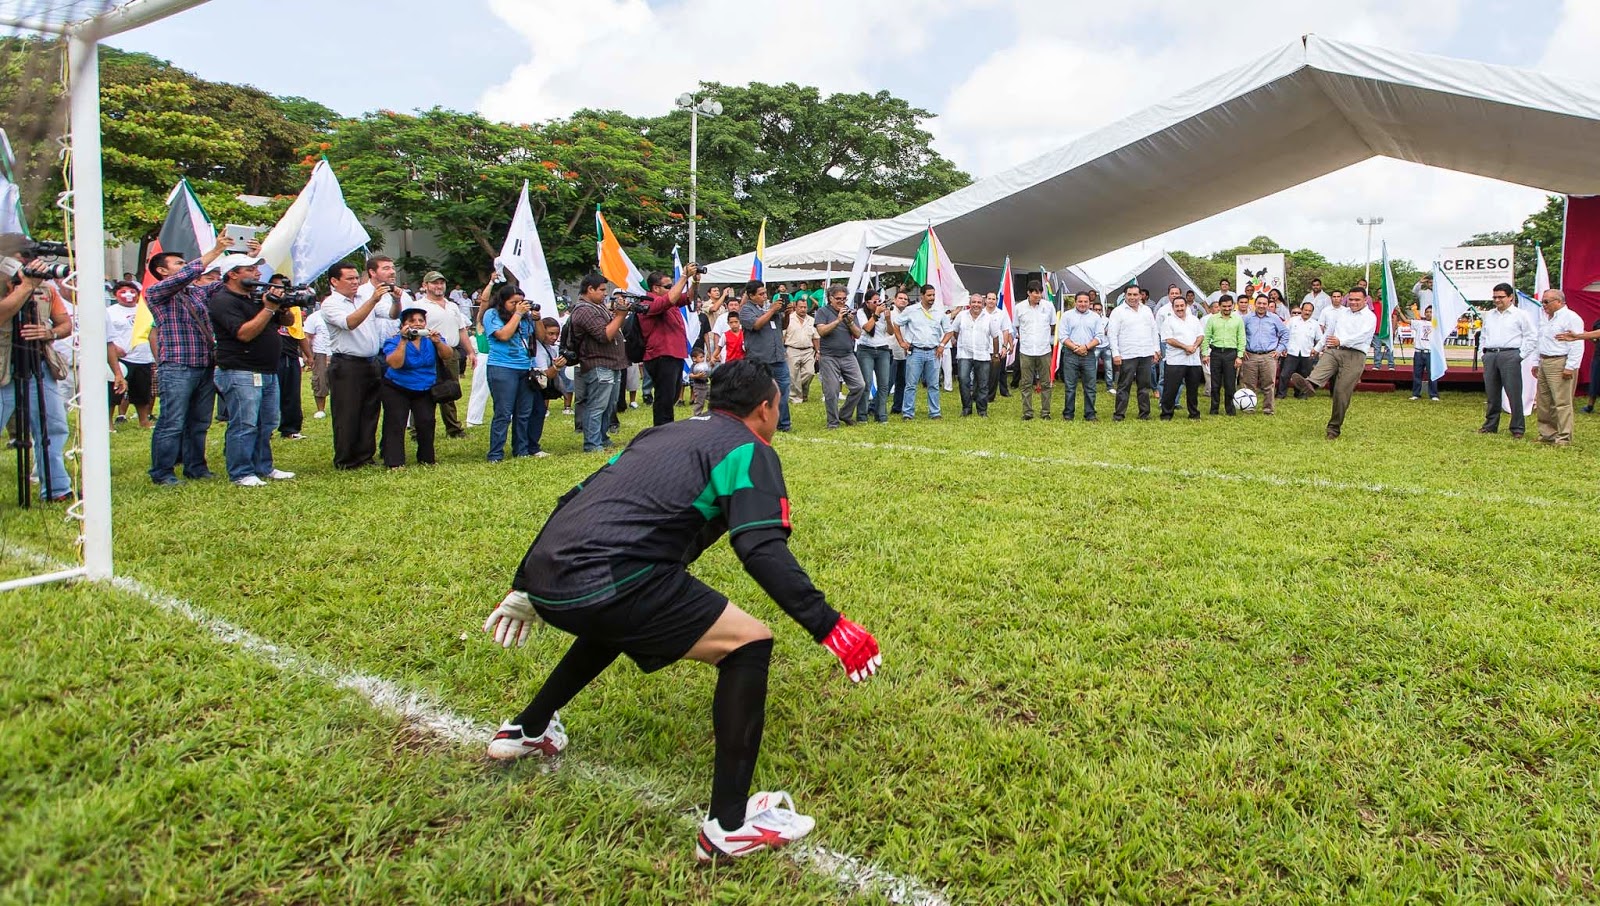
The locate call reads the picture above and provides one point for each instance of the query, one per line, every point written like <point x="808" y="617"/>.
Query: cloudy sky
<point x="1008" y="79"/>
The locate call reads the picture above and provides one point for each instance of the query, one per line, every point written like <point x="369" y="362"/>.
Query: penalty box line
<point x="1280" y="481"/>
<point x="418" y="709"/>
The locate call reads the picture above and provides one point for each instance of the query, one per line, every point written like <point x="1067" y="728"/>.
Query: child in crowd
<point x="699" y="381"/>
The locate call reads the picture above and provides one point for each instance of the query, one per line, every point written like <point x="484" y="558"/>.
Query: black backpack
<point x="566" y="346"/>
<point x="633" y="339"/>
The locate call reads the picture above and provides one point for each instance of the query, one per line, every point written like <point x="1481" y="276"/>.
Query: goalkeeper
<point x="611" y="565"/>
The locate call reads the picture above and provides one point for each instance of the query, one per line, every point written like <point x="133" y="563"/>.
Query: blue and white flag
<point x="1449" y="304"/>
<point x="317" y="231"/>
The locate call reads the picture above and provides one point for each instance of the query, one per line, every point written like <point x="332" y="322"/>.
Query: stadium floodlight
<point x="1369" y="223"/>
<point x="697" y="109"/>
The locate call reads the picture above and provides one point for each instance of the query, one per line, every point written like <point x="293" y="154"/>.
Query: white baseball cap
<point x="229" y="262"/>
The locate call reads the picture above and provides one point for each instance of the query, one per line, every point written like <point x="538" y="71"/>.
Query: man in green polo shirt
<point x="1224" y="340"/>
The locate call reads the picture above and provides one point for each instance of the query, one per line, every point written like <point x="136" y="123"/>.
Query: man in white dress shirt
<point x="1300" y="355"/>
<point x="358" y="318"/>
<point x="1034" y="335"/>
<point x="1342" y="357"/>
<point x="973" y="335"/>
<point x="1135" y="351"/>
<point x="1181" y="336"/>
<point x="1317" y="298"/>
<point x="1557" y="372"/>
<point x="1508" y="337"/>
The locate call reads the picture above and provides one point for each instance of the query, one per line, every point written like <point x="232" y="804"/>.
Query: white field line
<point x="1280" y="481"/>
<point x="856" y="875"/>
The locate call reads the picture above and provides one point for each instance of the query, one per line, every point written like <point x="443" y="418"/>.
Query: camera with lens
<point x="29" y="250"/>
<point x="415" y="333"/>
<point x="630" y="302"/>
<point x="293" y="296"/>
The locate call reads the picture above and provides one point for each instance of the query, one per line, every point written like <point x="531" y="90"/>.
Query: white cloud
<point x="627" y="55"/>
<point x="1573" y="40"/>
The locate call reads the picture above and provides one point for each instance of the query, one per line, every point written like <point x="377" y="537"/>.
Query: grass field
<point x="1143" y="662"/>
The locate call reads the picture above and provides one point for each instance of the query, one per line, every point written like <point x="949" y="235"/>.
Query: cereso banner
<point x="1258" y="273"/>
<point x="1476" y="269"/>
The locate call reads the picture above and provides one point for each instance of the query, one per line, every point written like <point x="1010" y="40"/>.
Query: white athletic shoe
<point x="1416" y="397"/>
<point x="320" y="415"/>
<point x="542" y="454"/>
<point x="770" y="823"/>
<point x="511" y="743"/>
<point x="633" y="405"/>
<point x="250" y="481"/>
<point x="280" y="475"/>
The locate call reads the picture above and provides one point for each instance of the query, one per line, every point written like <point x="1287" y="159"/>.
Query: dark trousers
<point x="353" y="385"/>
<point x="899" y="385"/>
<point x="999" y="378"/>
<point x="666" y="373"/>
<point x="399" y="406"/>
<point x="972" y="375"/>
<point x="1293" y="365"/>
<point x="291" y="417"/>
<point x="1078" y="370"/>
<point x="1224" y="377"/>
<point x="1133" y="371"/>
<point x="1420" y="366"/>
<point x="1189" y="377"/>
<point x="1502" y="372"/>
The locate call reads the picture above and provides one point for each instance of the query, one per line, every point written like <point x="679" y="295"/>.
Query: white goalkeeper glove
<point x="510" y="622"/>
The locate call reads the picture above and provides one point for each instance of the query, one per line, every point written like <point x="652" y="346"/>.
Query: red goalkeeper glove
<point x="855" y="648"/>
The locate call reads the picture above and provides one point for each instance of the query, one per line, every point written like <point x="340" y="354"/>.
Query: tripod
<point x="27" y="366"/>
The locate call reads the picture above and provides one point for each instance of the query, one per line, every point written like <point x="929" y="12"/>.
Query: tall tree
<point x="805" y="161"/>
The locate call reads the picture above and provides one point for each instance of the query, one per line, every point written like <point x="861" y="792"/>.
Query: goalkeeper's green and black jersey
<point x="658" y="505"/>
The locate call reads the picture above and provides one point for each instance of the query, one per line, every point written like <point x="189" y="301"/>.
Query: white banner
<point x="1259" y="273"/>
<point x="1476" y="269"/>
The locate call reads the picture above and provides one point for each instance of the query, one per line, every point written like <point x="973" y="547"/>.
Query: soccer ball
<point x="1245" y="399"/>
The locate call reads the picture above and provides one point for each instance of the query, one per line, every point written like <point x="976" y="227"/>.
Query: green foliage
<point x="1542" y="229"/>
<point x="805" y="161"/>
<point x="459" y="174"/>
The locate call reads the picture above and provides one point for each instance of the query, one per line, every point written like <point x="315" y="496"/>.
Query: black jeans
<point x="1141" y="370"/>
<point x="353" y="385"/>
<point x="899" y="385"/>
<point x="1224" y="377"/>
<point x="291" y="418"/>
<point x="1291" y="366"/>
<point x="1182" y="376"/>
<point x="972" y="376"/>
<point x="666" y="373"/>
<point x="400" y="404"/>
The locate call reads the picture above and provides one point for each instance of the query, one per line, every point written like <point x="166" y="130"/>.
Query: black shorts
<point x="139" y="383"/>
<point x="655" y="623"/>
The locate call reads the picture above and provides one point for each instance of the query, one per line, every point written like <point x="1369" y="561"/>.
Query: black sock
<point x="738" y="714"/>
<point x="584" y="661"/>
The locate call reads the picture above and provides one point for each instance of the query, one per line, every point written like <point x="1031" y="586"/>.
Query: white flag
<point x="317" y="231"/>
<point x="522" y="256"/>
<point x="10" y="207"/>
<point x="861" y="270"/>
<point x="1448" y="307"/>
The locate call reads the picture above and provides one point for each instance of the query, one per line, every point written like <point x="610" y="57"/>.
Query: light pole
<point x="1369" y="223"/>
<point x="697" y="109"/>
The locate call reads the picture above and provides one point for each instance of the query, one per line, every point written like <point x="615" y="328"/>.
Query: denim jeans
<point x="780" y="373"/>
<point x="600" y="386"/>
<point x="1110" y="368"/>
<point x="972" y="376"/>
<point x="188" y="394"/>
<point x="252" y="401"/>
<point x="877" y="368"/>
<point x="513" y="411"/>
<point x="55" y="430"/>
<point x="1381" y="349"/>
<point x="1078" y="370"/>
<point x="1419" y="373"/>
<point x="922" y="366"/>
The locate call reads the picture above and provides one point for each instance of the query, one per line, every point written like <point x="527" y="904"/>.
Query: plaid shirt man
<point x="182" y="322"/>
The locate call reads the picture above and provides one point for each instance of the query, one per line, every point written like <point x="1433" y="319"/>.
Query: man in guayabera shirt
<point x="611" y="567"/>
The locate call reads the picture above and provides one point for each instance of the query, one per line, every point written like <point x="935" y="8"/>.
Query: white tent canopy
<point x="808" y="257"/>
<point x="1154" y="275"/>
<point x="1313" y="107"/>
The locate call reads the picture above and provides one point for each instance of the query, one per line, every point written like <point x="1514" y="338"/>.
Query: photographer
<point x="184" y="359"/>
<point x="666" y="337"/>
<point x="597" y="335"/>
<point x="357" y="316"/>
<point x="412" y="357"/>
<point x="31" y="318"/>
<point x="248" y="348"/>
<point x="763" y="343"/>
<point x="510" y="324"/>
